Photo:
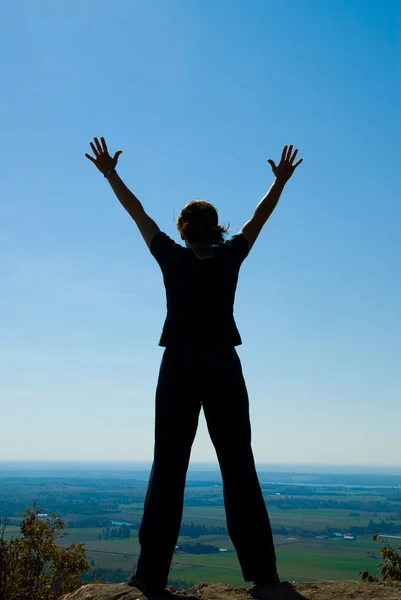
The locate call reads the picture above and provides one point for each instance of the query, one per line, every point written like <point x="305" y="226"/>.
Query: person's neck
<point x="200" y="249"/>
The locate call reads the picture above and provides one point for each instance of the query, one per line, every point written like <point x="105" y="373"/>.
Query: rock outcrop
<point x="319" y="590"/>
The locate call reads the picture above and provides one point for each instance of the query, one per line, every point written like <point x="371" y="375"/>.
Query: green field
<point x="298" y="559"/>
<point x="316" y="519"/>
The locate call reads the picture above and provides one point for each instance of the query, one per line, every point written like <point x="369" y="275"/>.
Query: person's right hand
<point x="103" y="161"/>
<point x="286" y="167"/>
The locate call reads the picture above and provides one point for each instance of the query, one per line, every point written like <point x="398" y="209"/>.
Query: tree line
<point x="115" y="533"/>
<point x="373" y="527"/>
<point x="352" y="505"/>
<point x="197" y="548"/>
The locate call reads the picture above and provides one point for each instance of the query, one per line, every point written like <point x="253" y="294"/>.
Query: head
<point x="199" y="223"/>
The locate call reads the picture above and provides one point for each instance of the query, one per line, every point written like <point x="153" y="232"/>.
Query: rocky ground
<point x="319" y="590"/>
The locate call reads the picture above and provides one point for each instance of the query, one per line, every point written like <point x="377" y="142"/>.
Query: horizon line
<point x="193" y="462"/>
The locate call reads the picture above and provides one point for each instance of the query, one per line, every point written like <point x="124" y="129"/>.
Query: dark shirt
<point x="200" y="292"/>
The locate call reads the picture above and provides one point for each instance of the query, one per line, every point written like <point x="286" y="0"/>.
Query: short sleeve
<point x="162" y="248"/>
<point x="239" y="247"/>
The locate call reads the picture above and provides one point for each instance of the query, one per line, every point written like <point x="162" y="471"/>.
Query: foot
<point x="145" y="588"/>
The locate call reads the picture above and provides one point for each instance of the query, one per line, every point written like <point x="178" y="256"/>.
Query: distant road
<point x="174" y="562"/>
<point x="291" y="576"/>
<point x="182" y="562"/>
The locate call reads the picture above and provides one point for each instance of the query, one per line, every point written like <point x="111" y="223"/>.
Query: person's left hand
<point x="285" y="168"/>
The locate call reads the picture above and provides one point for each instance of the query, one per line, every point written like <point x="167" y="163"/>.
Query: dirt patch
<point x="319" y="590"/>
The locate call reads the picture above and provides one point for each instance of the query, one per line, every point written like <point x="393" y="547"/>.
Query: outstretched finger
<point x="284" y="152"/>
<point x="104" y="145"/>
<point x="90" y="158"/>
<point x="289" y="152"/>
<point x="298" y="163"/>
<point x="98" y="146"/>
<point x="95" y="152"/>
<point x="292" y="158"/>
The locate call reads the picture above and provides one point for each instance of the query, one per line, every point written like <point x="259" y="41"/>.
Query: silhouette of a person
<point x="200" y="367"/>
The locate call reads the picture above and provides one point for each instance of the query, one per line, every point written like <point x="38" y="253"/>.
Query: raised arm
<point x="107" y="165"/>
<point x="264" y="209"/>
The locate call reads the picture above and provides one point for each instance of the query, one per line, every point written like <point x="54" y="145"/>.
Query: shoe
<point x="145" y="588"/>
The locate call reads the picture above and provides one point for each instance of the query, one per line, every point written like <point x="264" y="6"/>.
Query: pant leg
<point x="226" y="410"/>
<point x="177" y="413"/>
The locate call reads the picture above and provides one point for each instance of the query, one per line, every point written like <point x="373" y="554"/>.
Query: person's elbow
<point x="147" y="227"/>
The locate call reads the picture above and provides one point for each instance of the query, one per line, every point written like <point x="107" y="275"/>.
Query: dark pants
<point x="187" y="380"/>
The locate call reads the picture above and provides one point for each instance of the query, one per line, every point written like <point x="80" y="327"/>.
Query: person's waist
<point x="205" y="337"/>
<point x="200" y="319"/>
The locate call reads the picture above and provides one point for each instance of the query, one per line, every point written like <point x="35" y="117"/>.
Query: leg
<point x="177" y="414"/>
<point x="227" y="415"/>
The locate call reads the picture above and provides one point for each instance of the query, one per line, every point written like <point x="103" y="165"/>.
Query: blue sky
<point x="198" y="95"/>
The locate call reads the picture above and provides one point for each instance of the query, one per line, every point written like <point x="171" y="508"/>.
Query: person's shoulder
<point x="236" y="246"/>
<point x="236" y="239"/>
<point x="161" y="240"/>
<point x="163" y="248"/>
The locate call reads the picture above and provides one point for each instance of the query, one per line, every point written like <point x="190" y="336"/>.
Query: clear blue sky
<point x="198" y="94"/>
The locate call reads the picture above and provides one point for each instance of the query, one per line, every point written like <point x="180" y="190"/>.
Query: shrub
<point x="33" y="565"/>
<point x="391" y="565"/>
